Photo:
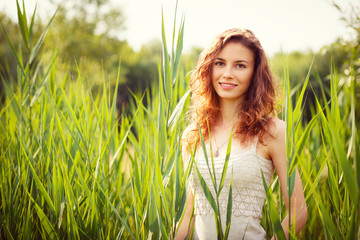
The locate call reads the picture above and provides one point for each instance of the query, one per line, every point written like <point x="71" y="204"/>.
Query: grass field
<point x="73" y="166"/>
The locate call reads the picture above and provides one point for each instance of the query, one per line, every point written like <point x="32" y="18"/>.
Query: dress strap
<point x="254" y="144"/>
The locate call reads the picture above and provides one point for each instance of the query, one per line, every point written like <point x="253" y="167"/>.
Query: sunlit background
<point x="285" y="25"/>
<point x="91" y="118"/>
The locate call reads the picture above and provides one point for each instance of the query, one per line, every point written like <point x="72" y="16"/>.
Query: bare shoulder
<point x="184" y="143"/>
<point x="278" y="128"/>
<point x="275" y="131"/>
<point x="277" y="143"/>
<point x="185" y="133"/>
<point x="273" y="140"/>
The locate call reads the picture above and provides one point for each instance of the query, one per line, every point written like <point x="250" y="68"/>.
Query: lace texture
<point x="248" y="194"/>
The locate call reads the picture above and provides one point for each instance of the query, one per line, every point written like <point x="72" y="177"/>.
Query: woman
<point x="233" y="89"/>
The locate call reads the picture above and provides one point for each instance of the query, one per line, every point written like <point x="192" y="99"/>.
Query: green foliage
<point x="217" y="185"/>
<point x="319" y="78"/>
<point x="73" y="168"/>
<point x="87" y="45"/>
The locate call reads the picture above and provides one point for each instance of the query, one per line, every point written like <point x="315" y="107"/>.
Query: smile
<point x="227" y="85"/>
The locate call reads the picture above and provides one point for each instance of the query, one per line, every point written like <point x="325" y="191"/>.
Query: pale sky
<point x="286" y="25"/>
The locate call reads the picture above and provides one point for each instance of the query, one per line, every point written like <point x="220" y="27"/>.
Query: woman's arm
<point x="277" y="151"/>
<point x="184" y="229"/>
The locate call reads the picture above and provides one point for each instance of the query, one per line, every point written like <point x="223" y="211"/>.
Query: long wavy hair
<point x="258" y="107"/>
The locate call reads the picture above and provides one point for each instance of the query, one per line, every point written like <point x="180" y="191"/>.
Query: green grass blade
<point x="43" y="82"/>
<point x="135" y="212"/>
<point x="45" y="223"/>
<point x="27" y="226"/>
<point x="15" y="106"/>
<point x="349" y="174"/>
<point x="290" y="136"/>
<point x="302" y="141"/>
<point x="328" y="223"/>
<point x="113" y="106"/>
<point x="166" y="64"/>
<point x="226" y="163"/>
<point x="23" y="24"/>
<point x="297" y="111"/>
<point x="229" y="209"/>
<point x="185" y="177"/>
<point x="37" y="180"/>
<point x="35" y="49"/>
<point x="116" y="212"/>
<point x="32" y="25"/>
<point x="178" y="111"/>
<point x="207" y="192"/>
<point x="351" y="234"/>
<point x="125" y="137"/>
<point x="179" y="48"/>
<point x="17" y="59"/>
<point x="273" y="212"/>
<point x="206" y="157"/>
<point x="355" y="129"/>
<point x="153" y="213"/>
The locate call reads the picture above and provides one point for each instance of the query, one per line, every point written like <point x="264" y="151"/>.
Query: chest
<point x="245" y="169"/>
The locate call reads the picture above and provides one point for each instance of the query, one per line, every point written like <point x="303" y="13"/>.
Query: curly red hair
<point x="258" y="107"/>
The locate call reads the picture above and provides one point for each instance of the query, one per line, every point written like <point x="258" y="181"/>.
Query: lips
<point x="225" y="85"/>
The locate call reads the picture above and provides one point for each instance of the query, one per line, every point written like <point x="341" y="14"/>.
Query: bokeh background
<point x="94" y="97"/>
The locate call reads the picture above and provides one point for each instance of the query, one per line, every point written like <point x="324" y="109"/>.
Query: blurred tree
<point x="189" y="59"/>
<point x="7" y="61"/>
<point x="299" y="64"/>
<point x="8" y="65"/>
<point x="351" y="68"/>
<point x="141" y="71"/>
<point x="86" y="35"/>
<point x="351" y="17"/>
<point x="81" y="34"/>
<point x="343" y="54"/>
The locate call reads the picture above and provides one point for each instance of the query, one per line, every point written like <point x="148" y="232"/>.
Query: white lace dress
<point x="248" y="195"/>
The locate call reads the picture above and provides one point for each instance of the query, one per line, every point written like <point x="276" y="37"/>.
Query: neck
<point x="228" y="110"/>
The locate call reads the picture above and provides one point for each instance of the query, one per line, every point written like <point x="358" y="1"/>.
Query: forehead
<point x="236" y="51"/>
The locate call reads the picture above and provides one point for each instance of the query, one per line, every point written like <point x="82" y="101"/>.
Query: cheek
<point x="249" y="76"/>
<point x="215" y="74"/>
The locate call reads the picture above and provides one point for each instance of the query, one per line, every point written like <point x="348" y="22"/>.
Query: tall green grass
<point x="73" y="167"/>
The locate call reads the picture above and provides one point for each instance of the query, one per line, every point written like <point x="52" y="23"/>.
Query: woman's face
<point x="232" y="72"/>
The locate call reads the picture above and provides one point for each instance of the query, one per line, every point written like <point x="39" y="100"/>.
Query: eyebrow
<point x="237" y="61"/>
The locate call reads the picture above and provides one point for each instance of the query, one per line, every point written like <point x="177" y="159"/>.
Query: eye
<point x="220" y="64"/>
<point x="240" y="66"/>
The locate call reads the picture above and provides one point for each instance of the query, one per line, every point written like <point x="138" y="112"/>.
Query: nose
<point x="227" y="72"/>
